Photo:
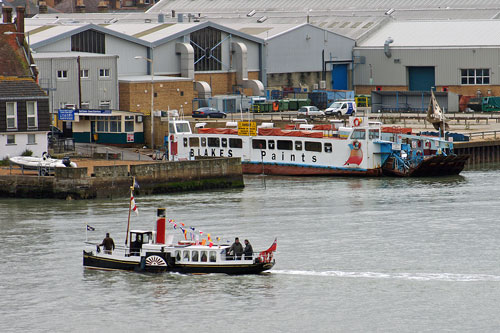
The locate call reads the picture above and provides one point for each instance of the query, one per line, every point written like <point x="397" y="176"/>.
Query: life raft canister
<point x="357" y="121"/>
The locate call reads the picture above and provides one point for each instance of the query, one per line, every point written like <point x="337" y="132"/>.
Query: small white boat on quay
<point x="43" y="162"/>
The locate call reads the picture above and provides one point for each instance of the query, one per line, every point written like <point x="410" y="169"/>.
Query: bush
<point x="27" y="152"/>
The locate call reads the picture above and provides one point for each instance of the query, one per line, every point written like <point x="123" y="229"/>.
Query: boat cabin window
<point x="298" y="145"/>
<point x="285" y="144"/>
<point x="223" y="142"/>
<point x="358" y="134"/>
<point x="203" y="142"/>
<point x="258" y="144"/>
<point x="235" y="143"/>
<point x="213" y="142"/>
<point x="185" y="141"/>
<point x="182" y="128"/>
<point x="373" y="134"/>
<point x="313" y="146"/>
<point x="204" y="256"/>
<point x="177" y="255"/>
<point x="328" y="148"/>
<point x="270" y="144"/>
<point x="185" y="256"/>
<point x="213" y="256"/>
<point x="194" y="142"/>
<point x="194" y="256"/>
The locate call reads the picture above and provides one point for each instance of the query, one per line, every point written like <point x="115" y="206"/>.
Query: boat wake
<point x="401" y="276"/>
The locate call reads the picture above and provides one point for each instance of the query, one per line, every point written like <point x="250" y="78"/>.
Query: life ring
<point x="418" y="153"/>
<point x="357" y="122"/>
<point x="356" y="145"/>
<point x="427" y="144"/>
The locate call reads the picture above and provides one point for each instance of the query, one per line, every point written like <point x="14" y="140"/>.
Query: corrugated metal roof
<point x="195" y="6"/>
<point x="54" y="55"/>
<point x="436" y="34"/>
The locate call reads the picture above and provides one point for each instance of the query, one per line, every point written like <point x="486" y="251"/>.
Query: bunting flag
<point x="136" y="184"/>
<point x="209" y="240"/>
<point x="185" y="233"/>
<point x="133" y="205"/>
<point x="89" y="228"/>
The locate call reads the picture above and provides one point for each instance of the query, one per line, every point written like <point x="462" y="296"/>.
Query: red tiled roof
<point x="14" y="62"/>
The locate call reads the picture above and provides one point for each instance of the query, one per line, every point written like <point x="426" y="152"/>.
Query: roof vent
<point x="262" y="19"/>
<point x="387" y="50"/>
<point x="251" y="13"/>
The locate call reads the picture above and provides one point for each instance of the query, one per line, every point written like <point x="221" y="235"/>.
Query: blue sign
<point x="66" y="114"/>
<point x="93" y="111"/>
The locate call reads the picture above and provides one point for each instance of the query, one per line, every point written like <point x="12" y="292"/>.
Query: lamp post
<point x="152" y="97"/>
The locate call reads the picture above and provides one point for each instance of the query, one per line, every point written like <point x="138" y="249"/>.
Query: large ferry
<point x="358" y="148"/>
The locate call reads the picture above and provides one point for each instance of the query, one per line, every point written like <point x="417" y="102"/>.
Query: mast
<point x="130" y="209"/>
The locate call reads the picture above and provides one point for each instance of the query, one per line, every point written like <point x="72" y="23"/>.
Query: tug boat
<point x="156" y="251"/>
<point x="359" y="148"/>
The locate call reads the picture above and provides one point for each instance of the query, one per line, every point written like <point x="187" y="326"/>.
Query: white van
<point x="342" y="108"/>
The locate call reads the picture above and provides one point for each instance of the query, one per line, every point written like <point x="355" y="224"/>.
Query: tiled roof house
<point x="24" y="106"/>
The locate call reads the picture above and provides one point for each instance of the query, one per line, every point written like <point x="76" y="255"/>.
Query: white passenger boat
<point x="156" y="251"/>
<point x="361" y="148"/>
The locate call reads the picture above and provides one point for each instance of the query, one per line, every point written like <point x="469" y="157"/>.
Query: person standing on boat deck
<point x="248" y="251"/>
<point x="108" y="243"/>
<point x="236" y="249"/>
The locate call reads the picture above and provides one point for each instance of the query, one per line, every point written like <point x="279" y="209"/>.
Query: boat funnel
<point x="160" y="226"/>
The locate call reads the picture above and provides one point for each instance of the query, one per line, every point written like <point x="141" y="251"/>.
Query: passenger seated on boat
<point x="235" y="251"/>
<point x="204" y="256"/>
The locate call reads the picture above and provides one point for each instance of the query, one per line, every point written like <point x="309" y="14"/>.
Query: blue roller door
<point x="339" y="77"/>
<point x="421" y="78"/>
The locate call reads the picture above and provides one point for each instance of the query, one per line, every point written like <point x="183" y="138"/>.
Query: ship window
<point x="178" y="255"/>
<point x="182" y="128"/>
<point x="285" y="144"/>
<point x="213" y="142"/>
<point x="203" y="142"/>
<point x="298" y="145"/>
<point x="328" y="147"/>
<point x="213" y="256"/>
<point x="358" y="134"/>
<point x="235" y="143"/>
<point x="185" y="142"/>
<point x="258" y="144"/>
<point x="271" y="144"/>
<point x="373" y="134"/>
<point x="313" y="146"/>
<point x="185" y="256"/>
<point x="204" y="256"/>
<point x="223" y="142"/>
<point x="194" y="256"/>
<point x="194" y="142"/>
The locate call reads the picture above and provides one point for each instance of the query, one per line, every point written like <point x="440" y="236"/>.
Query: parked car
<point x="208" y="112"/>
<point x="54" y="134"/>
<point x="341" y="108"/>
<point x="310" y="111"/>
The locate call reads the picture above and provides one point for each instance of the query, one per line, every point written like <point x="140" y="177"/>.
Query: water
<point x="355" y="254"/>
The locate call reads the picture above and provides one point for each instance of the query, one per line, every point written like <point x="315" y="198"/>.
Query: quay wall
<point x="115" y="181"/>
<point x="481" y="152"/>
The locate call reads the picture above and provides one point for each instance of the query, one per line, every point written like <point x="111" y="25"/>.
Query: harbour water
<point x="354" y="255"/>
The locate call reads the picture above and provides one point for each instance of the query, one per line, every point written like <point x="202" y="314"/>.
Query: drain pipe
<point x="387" y="50"/>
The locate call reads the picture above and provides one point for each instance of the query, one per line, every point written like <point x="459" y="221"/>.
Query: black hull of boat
<point x="433" y="166"/>
<point x="97" y="262"/>
<point x="238" y="269"/>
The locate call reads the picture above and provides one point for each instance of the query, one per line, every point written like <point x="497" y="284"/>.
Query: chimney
<point x="20" y="24"/>
<point x="102" y="7"/>
<point x="80" y="6"/>
<point x="7" y="14"/>
<point x="42" y="7"/>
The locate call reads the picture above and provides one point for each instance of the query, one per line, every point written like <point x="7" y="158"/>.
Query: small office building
<point x="105" y="126"/>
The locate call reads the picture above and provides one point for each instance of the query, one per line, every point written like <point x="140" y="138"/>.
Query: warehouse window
<point x="88" y="41"/>
<point x="207" y="49"/>
<point x="475" y="76"/>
